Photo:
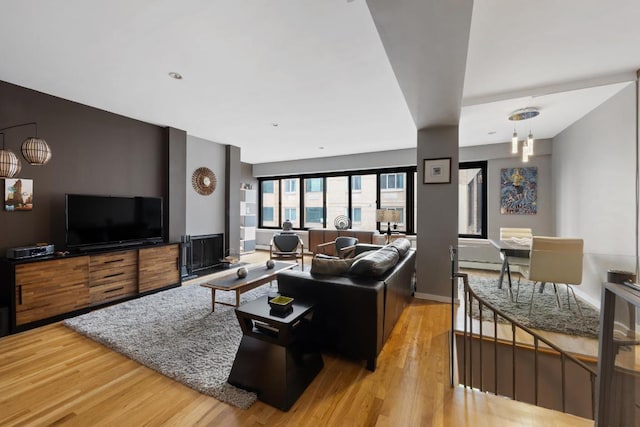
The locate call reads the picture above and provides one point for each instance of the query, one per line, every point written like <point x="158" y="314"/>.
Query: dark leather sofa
<point x="354" y="314"/>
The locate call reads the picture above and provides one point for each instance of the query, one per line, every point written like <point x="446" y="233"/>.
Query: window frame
<point x="408" y="185"/>
<point x="482" y="199"/>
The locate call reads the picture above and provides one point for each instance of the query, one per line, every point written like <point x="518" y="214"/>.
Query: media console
<point x="42" y="290"/>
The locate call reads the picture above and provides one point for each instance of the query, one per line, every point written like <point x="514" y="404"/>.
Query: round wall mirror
<point x="204" y="181"/>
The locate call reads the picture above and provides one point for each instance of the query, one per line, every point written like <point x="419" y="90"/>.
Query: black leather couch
<point x="355" y="314"/>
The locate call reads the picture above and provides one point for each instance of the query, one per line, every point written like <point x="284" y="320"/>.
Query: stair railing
<point x="469" y="335"/>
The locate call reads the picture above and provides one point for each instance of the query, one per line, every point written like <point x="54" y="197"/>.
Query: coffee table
<point x="258" y="275"/>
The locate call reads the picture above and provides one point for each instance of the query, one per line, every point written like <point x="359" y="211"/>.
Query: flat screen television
<point x="110" y="221"/>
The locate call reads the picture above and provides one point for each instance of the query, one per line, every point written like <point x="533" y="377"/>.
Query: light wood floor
<point x="54" y="376"/>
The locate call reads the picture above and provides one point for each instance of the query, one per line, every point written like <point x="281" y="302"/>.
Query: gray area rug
<point x="545" y="315"/>
<point x="175" y="333"/>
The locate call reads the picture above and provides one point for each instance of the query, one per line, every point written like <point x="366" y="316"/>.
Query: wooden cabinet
<point x="158" y="267"/>
<point x="113" y="276"/>
<point x="40" y="291"/>
<point x="49" y="288"/>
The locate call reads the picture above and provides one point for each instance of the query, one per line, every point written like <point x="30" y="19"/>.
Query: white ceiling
<point x="319" y="69"/>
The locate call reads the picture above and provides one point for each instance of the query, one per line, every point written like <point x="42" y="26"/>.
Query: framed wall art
<point x="519" y="191"/>
<point x="18" y="194"/>
<point x="437" y="171"/>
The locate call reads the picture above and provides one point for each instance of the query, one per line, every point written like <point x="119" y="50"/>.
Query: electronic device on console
<point x="33" y="251"/>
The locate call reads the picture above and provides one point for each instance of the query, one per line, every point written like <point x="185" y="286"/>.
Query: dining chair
<point x="555" y="260"/>
<point x="287" y="246"/>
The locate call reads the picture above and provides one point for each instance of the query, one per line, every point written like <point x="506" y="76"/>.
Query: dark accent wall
<point x="94" y="152"/>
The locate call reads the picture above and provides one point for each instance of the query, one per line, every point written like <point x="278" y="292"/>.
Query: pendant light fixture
<point x="527" y="145"/>
<point x="9" y="163"/>
<point x="35" y="150"/>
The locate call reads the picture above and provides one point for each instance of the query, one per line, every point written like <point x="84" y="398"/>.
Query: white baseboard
<point x="479" y="265"/>
<point x="438" y="298"/>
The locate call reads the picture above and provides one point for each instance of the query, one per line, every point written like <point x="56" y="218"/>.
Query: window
<point x="290" y="200"/>
<point x="267" y="186"/>
<point x="337" y="197"/>
<point x="394" y="198"/>
<point x="313" y="185"/>
<point x="472" y="200"/>
<point x="290" y="185"/>
<point x="312" y="201"/>
<point x="392" y="181"/>
<point x="366" y="200"/>
<point x="291" y="214"/>
<point x="267" y="214"/>
<point x="314" y="215"/>
<point x="356" y="215"/>
<point x="356" y="183"/>
<point x="270" y="202"/>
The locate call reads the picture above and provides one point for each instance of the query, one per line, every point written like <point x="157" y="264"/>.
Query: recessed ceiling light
<point x="491" y="132"/>
<point x="320" y="148"/>
<point x="175" y="75"/>
<point x="275" y="125"/>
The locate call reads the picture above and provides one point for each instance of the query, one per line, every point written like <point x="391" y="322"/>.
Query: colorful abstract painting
<point x="18" y="194"/>
<point x="519" y="191"/>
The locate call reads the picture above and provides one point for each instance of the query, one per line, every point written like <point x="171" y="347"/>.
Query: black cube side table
<point x="277" y="357"/>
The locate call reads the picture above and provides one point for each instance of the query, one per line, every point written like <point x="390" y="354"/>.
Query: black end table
<point x="277" y="357"/>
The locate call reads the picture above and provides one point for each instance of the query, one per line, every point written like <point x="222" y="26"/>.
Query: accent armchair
<point x="342" y="247"/>
<point x="287" y="246"/>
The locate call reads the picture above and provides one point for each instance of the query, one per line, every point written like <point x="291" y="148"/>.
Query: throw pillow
<point x="376" y="263"/>
<point x="330" y="267"/>
<point x="402" y="245"/>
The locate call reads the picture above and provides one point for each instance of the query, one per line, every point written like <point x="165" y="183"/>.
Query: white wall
<point x="437" y="221"/>
<point x="205" y="214"/>
<point x="594" y="177"/>
<point x="499" y="156"/>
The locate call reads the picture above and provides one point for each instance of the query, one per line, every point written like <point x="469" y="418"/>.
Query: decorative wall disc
<point x="204" y="181"/>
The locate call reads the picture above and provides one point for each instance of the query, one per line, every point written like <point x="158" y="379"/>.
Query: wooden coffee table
<point x="258" y="275"/>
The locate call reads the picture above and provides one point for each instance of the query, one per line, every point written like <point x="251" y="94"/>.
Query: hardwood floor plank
<point x="54" y="376"/>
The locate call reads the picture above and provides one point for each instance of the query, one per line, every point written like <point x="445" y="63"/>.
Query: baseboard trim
<point x="479" y="265"/>
<point x="438" y="298"/>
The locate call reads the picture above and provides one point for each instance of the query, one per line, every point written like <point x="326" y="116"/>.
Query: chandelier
<point x="527" y="144"/>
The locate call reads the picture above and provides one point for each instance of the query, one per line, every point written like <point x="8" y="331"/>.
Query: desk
<point x="509" y="248"/>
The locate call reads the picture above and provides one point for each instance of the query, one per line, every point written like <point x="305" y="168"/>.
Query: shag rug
<point x="545" y="314"/>
<point x="175" y="333"/>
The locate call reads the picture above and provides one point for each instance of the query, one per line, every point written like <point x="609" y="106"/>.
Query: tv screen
<point x="109" y="220"/>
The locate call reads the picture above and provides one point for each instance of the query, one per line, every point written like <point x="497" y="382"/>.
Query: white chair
<point x="555" y="260"/>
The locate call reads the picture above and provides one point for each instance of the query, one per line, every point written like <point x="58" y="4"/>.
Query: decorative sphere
<point x="270" y="264"/>
<point x="242" y="272"/>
